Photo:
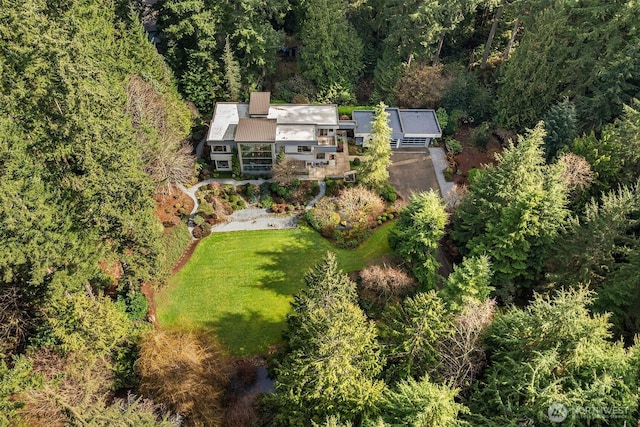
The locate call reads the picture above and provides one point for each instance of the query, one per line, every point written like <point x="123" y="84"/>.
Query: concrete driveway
<point x="412" y="171"/>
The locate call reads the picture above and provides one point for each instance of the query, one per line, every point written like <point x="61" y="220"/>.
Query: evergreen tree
<point x="254" y="36"/>
<point x="469" y="281"/>
<point x="231" y="72"/>
<point x="333" y="359"/>
<point x="410" y="332"/>
<point x="601" y="250"/>
<point x="560" y="124"/>
<point x="416" y="234"/>
<point x="375" y="171"/>
<point x="555" y="351"/>
<point x="614" y="157"/>
<point x="331" y="49"/>
<point x="76" y="193"/>
<point x="190" y="29"/>
<point x="386" y="74"/>
<point x="420" y="403"/>
<point x="513" y="214"/>
<point x="604" y="64"/>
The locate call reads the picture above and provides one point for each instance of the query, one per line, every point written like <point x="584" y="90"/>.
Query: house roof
<point x="299" y="133"/>
<point x="259" y="103"/>
<point x="225" y="119"/>
<point x="364" y="120"/>
<point x="256" y="130"/>
<point x="420" y="122"/>
<point x="403" y="123"/>
<point x="287" y="122"/>
<point x="293" y="114"/>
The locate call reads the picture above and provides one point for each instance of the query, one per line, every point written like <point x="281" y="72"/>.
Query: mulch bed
<point x="184" y="257"/>
<point x="471" y="156"/>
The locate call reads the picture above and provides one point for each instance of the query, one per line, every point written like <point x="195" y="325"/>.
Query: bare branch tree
<point x="161" y="133"/>
<point x="386" y="282"/>
<point x="16" y="319"/>
<point x="576" y="171"/>
<point x="287" y="170"/>
<point x="462" y="355"/>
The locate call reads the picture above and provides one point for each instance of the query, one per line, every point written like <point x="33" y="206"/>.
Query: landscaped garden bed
<point x="348" y="215"/>
<point x="217" y="201"/>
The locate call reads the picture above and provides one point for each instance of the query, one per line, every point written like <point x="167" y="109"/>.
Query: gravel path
<point x="252" y="218"/>
<point x="255" y="219"/>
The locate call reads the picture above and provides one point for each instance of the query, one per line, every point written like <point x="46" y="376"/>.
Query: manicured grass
<point x="239" y="285"/>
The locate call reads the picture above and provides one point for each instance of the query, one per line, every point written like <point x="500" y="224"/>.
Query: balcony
<point x="326" y="141"/>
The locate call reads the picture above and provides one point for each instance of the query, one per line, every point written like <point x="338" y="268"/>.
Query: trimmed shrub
<point x="454" y="145"/>
<point x="454" y="121"/>
<point x="323" y="217"/>
<point x="352" y="238"/>
<point x="197" y="219"/>
<point x="448" y="174"/>
<point x="389" y="193"/>
<point x="443" y="118"/>
<point x="481" y="135"/>
<point x="267" y="202"/>
<point x="279" y="207"/>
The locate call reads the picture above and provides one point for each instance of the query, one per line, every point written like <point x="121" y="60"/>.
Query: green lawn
<point x="239" y="285"/>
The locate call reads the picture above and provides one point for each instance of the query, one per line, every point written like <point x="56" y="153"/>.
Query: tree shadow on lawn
<point x="248" y="333"/>
<point x="287" y="265"/>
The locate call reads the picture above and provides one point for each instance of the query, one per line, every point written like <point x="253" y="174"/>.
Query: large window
<point x="220" y="148"/>
<point x="222" y="164"/>
<point x="304" y="148"/>
<point x="256" y="157"/>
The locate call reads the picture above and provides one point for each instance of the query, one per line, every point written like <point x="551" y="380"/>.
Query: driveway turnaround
<point x="412" y="171"/>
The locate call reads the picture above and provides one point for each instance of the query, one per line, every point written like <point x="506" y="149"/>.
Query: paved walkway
<point x="440" y="163"/>
<point x="255" y="219"/>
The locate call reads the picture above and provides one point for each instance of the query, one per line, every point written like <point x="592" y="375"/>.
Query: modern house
<point x="307" y="134"/>
<point x="409" y="128"/>
<point x="259" y="130"/>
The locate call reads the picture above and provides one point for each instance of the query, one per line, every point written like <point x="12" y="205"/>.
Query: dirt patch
<point x="171" y="205"/>
<point x="148" y="291"/>
<point x="471" y="156"/>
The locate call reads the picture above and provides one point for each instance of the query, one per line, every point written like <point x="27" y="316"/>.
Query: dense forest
<point x="542" y="307"/>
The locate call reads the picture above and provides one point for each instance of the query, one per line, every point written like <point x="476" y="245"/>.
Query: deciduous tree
<point x="187" y="371"/>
